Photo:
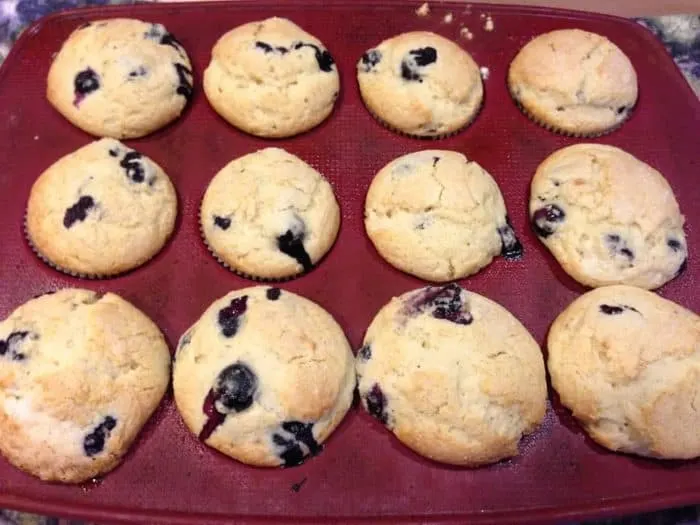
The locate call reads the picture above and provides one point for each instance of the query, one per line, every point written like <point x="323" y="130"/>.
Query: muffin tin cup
<point x="565" y="133"/>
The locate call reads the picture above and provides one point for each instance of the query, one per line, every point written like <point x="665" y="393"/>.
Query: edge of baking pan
<point x="635" y="503"/>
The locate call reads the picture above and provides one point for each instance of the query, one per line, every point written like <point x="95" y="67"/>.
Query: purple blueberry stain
<point x="229" y="318"/>
<point x="273" y="294"/>
<point x="10" y="347"/>
<point x="140" y="71"/>
<point x="85" y="82"/>
<point x="233" y="392"/>
<point x="323" y="57"/>
<point x="370" y="59"/>
<point x="511" y="247"/>
<point x="222" y="222"/>
<point x="291" y="243"/>
<point x="376" y="404"/>
<point x="546" y="220"/>
<point x="79" y="211"/>
<point x="416" y="59"/>
<point x="94" y="442"/>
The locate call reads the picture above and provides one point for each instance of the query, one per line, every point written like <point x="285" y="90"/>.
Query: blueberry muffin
<point x="607" y="217"/>
<point x="269" y="215"/>
<point x="80" y="374"/>
<point x="101" y="210"/>
<point x="574" y="82"/>
<point x="272" y="79"/>
<point x="264" y="393"/>
<point x="453" y="375"/>
<point x="627" y="363"/>
<point x="120" y="78"/>
<point x="438" y="216"/>
<point x="420" y="84"/>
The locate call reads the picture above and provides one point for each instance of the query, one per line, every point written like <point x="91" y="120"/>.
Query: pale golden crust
<point x="275" y="91"/>
<point x="263" y="195"/>
<point x="445" y="99"/>
<point x="127" y="224"/>
<point x="574" y="81"/>
<point x="302" y="361"/>
<point x="622" y="223"/>
<point x="86" y="357"/>
<point x="435" y="214"/>
<point x="139" y="83"/>
<point x="631" y="376"/>
<point x="458" y="394"/>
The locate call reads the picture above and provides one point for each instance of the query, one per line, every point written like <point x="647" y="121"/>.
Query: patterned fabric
<point x="680" y="35"/>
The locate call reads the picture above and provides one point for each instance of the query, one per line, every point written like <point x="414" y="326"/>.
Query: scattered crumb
<point x="465" y="33"/>
<point x="488" y="25"/>
<point x="423" y="10"/>
<point x="484" y="72"/>
<point x="448" y="18"/>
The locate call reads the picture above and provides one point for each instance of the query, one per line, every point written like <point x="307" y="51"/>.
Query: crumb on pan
<point x="448" y="18"/>
<point x="484" y="72"/>
<point x="488" y="25"/>
<point x="465" y="33"/>
<point x="423" y="10"/>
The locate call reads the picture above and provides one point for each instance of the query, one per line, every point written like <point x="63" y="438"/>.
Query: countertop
<point x="679" y="33"/>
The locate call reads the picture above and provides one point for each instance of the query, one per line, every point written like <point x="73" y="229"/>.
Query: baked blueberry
<point x="267" y="48"/>
<point x="512" y="249"/>
<point x="545" y="221"/>
<point x="292" y="454"/>
<point x="616" y="310"/>
<point x="291" y="243"/>
<point x="94" y="442"/>
<point x="365" y="353"/>
<point x="303" y="432"/>
<point x="376" y="404"/>
<point x="222" y="222"/>
<point x="235" y="386"/>
<point x="417" y="58"/>
<point x="184" y="75"/>
<point x="10" y="347"/>
<point x="230" y="317"/>
<point x="132" y="165"/>
<point x="79" y="211"/>
<point x="323" y="57"/>
<point x="370" y="59"/>
<point x="444" y="302"/>
<point x="168" y="39"/>
<point x="86" y="81"/>
<point x="618" y="246"/>
<point x="140" y="71"/>
<point x="674" y="244"/>
<point x="273" y="293"/>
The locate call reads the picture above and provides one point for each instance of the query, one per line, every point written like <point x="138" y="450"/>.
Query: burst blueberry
<point x="545" y="221"/>
<point x="229" y="318"/>
<point x="79" y="211"/>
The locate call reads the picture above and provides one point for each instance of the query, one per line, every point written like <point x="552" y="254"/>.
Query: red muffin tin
<point x="363" y="473"/>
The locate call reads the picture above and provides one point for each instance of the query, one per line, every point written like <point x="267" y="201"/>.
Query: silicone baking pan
<point x="363" y="473"/>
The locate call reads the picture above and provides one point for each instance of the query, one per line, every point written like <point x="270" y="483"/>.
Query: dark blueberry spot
<point x="365" y="353"/>
<point x="273" y="293"/>
<point x="114" y="152"/>
<point x="184" y="75"/>
<point x="43" y="294"/>
<point x="86" y="82"/>
<point x="94" y="442"/>
<point x="85" y="25"/>
<point x="184" y="341"/>
<point x="511" y="247"/>
<point x="264" y="46"/>
<point x="303" y="432"/>
<point x="292" y="454"/>
<point x="545" y="220"/>
<point x="229" y="317"/>
<point x="444" y="303"/>
<point x="617" y="245"/>
<point x="370" y="59"/>
<point x="560" y="108"/>
<point x="435" y="161"/>
<point x="296" y="487"/>
<point x="376" y="404"/>
<point x="621" y="110"/>
<point x="323" y="57"/>
<point x="222" y="222"/>
<point x="682" y="267"/>
<point x="291" y="243"/>
<point x="10" y="346"/>
<point x="674" y="244"/>
<point x="616" y="310"/>
<point x="138" y="72"/>
<point x="168" y="39"/>
<point x="132" y="165"/>
<point x="79" y="211"/>
<point x="415" y="59"/>
<point x="236" y="385"/>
